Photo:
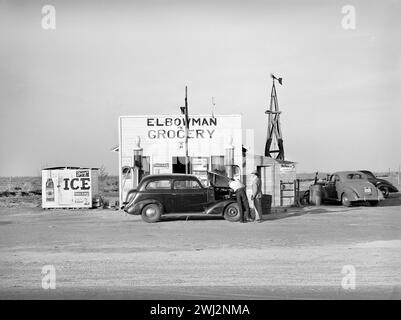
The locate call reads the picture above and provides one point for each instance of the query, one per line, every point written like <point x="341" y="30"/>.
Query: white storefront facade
<point x="160" y="139"/>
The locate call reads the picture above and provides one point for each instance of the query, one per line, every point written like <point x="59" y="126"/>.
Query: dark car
<point x="158" y="195"/>
<point x="348" y="187"/>
<point x="383" y="185"/>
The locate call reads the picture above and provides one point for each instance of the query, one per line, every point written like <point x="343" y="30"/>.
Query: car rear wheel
<point x="385" y="191"/>
<point x="151" y="213"/>
<point x="345" y="200"/>
<point x="232" y="213"/>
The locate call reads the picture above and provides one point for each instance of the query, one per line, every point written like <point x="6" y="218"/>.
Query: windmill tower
<point x="274" y="143"/>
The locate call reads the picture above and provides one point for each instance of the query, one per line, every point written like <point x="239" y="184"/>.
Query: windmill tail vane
<point x="280" y="80"/>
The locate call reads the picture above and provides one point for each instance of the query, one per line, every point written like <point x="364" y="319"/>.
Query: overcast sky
<point x="61" y="91"/>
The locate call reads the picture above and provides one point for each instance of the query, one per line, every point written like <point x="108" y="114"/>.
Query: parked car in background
<point x="351" y="187"/>
<point x="347" y="187"/>
<point x="383" y="185"/>
<point x="158" y="195"/>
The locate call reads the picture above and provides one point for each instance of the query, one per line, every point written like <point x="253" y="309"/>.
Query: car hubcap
<point x="150" y="212"/>
<point x="232" y="212"/>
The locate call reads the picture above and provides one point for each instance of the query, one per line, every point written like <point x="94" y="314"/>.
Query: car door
<point x="159" y="190"/>
<point x="188" y="196"/>
<point x="331" y="187"/>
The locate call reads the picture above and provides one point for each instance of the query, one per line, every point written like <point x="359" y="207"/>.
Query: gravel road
<point x="298" y="254"/>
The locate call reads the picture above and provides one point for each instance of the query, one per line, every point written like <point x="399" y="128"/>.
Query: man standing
<point x="242" y="199"/>
<point x="257" y="195"/>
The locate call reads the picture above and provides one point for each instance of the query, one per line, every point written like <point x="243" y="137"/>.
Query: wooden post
<point x="186" y="132"/>
<point x="295" y="192"/>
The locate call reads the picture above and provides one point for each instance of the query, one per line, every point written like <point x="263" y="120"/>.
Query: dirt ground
<point x="298" y="254"/>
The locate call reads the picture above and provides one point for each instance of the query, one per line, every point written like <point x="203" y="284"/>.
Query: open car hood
<point x="218" y="180"/>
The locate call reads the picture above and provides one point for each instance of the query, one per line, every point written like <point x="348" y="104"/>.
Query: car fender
<point x="350" y="191"/>
<point x="136" y="209"/>
<point x="218" y="207"/>
<point x="390" y="187"/>
<point x="354" y="194"/>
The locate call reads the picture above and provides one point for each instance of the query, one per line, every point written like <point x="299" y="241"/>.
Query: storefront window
<point x="200" y="166"/>
<point x="218" y="165"/>
<point x="161" y="167"/>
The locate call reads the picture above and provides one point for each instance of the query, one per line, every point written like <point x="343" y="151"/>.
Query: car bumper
<point x="362" y="198"/>
<point x="134" y="209"/>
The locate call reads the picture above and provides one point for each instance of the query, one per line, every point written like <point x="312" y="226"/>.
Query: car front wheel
<point x="373" y="203"/>
<point x="385" y="191"/>
<point x="232" y="213"/>
<point x="345" y="200"/>
<point x="151" y="213"/>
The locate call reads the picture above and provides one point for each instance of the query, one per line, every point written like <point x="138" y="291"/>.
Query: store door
<point x="179" y="165"/>
<point x="267" y="176"/>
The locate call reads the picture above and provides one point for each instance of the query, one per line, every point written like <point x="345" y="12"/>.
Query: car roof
<point x="168" y="176"/>
<point x="345" y="173"/>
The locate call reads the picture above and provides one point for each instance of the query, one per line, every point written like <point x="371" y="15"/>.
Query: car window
<point x="354" y="176"/>
<point x="369" y="174"/>
<point x="158" y="184"/>
<point x="186" y="184"/>
<point x="334" y="178"/>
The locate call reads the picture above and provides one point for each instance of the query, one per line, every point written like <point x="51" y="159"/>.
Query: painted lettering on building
<point x="174" y="128"/>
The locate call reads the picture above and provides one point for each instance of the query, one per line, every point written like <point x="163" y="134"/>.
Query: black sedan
<point x="383" y="185"/>
<point x="158" y="195"/>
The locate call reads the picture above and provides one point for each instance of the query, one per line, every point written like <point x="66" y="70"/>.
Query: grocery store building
<point x="156" y="144"/>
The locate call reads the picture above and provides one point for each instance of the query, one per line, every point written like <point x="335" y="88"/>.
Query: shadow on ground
<point x="300" y="212"/>
<point x="293" y="212"/>
<point x="173" y="217"/>
<point x="394" y="200"/>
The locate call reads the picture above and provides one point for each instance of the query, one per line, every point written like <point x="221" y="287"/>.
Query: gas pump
<point x="132" y="175"/>
<point x="229" y="158"/>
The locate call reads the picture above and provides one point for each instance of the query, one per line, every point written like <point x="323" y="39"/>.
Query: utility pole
<point x="184" y="110"/>
<point x="213" y="106"/>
